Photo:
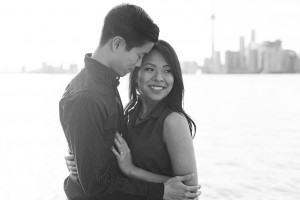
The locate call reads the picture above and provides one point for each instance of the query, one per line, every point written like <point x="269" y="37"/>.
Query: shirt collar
<point x="100" y="71"/>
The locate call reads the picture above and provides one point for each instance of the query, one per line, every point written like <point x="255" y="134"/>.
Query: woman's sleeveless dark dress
<point x="145" y="139"/>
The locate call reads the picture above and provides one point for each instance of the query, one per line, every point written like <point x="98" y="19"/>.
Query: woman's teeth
<point x="156" y="87"/>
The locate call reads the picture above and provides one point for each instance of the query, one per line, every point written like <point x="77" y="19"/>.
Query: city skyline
<point x="60" y="32"/>
<point x="254" y="57"/>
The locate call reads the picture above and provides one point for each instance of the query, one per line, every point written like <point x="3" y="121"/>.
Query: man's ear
<point x="118" y="43"/>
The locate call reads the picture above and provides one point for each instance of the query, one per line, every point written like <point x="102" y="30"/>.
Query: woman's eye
<point x="148" y="69"/>
<point x="168" y="71"/>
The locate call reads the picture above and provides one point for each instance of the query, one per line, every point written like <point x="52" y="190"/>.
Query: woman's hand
<point x="71" y="164"/>
<point x="123" y="155"/>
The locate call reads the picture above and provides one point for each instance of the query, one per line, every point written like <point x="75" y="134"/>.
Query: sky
<point x="60" y="32"/>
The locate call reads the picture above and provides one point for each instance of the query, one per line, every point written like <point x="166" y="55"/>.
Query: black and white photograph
<point x="150" y="100"/>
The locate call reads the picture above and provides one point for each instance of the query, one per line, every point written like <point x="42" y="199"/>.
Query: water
<point x="247" y="143"/>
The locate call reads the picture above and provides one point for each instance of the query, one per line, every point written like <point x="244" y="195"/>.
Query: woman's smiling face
<point x="155" y="79"/>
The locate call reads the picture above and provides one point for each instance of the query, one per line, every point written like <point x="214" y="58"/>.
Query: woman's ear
<point x="118" y="43"/>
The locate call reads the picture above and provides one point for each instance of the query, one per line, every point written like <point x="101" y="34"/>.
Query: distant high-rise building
<point x="253" y="36"/>
<point x="232" y="61"/>
<point x="297" y="64"/>
<point x="253" y="58"/>
<point x="214" y="65"/>
<point x="289" y="61"/>
<point x="272" y="57"/>
<point x="217" y="60"/>
<point x="242" y="53"/>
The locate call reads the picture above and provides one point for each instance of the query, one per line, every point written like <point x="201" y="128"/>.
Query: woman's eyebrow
<point x="150" y="64"/>
<point x="167" y="65"/>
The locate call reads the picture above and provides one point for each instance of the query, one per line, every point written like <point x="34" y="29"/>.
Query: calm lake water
<point x="247" y="142"/>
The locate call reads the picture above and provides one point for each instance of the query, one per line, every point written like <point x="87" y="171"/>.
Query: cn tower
<point x="212" y="30"/>
<point x="212" y="34"/>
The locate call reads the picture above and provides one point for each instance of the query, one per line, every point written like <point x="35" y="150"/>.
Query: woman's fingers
<point x="120" y="143"/>
<point x="115" y="152"/>
<point x="120" y="138"/>
<point x="126" y="146"/>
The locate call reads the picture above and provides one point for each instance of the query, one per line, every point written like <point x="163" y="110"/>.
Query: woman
<point x="159" y="131"/>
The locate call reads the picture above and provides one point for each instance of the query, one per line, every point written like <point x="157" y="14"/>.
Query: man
<point x="91" y="112"/>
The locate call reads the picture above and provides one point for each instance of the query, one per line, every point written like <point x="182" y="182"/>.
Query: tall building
<point x="289" y="61"/>
<point x="217" y="62"/>
<point x="272" y="57"/>
<point x="253" y="37"/>
<point x="253" y="57"/>
<point x="297" y="64"/>
<point x="212" y="35"/>
<point x="232" y="61"/>
<point x="242" y="53"/>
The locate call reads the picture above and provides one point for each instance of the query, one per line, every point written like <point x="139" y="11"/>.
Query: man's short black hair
<point x="131" y="23"/>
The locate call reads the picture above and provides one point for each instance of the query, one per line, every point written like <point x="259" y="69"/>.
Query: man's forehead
<point x="145" y="48"/>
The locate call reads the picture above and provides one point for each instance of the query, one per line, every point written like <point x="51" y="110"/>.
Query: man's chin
<point x="126" y="72"/>
<point x="122" y="74"/>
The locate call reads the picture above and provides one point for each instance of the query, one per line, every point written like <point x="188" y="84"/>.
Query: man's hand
<point x="71" y="164"/>
<point x="176" y="190"/>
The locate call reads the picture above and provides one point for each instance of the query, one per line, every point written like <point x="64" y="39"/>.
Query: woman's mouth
<point x="156" y="87"/>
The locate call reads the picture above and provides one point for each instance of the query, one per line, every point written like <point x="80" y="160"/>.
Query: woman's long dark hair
<point x="175" y="98"/>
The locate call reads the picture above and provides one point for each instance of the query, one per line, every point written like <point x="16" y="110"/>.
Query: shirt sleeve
<point x="84" y="118"/>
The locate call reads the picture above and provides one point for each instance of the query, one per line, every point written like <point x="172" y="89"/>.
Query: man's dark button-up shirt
<point x="90" y="113"/>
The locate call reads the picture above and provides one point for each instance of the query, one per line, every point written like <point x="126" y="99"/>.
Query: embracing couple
<point x="146" y="151"/>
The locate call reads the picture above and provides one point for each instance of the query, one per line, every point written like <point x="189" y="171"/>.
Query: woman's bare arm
<point x="180" y="146"/>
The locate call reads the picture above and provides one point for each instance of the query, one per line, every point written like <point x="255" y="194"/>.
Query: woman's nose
<point x="158" y="76"/>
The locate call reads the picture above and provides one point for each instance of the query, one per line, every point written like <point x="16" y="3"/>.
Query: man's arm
<point x="84" y="118"/>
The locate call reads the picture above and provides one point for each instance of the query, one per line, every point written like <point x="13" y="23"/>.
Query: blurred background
<point x="241" y="67"/>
